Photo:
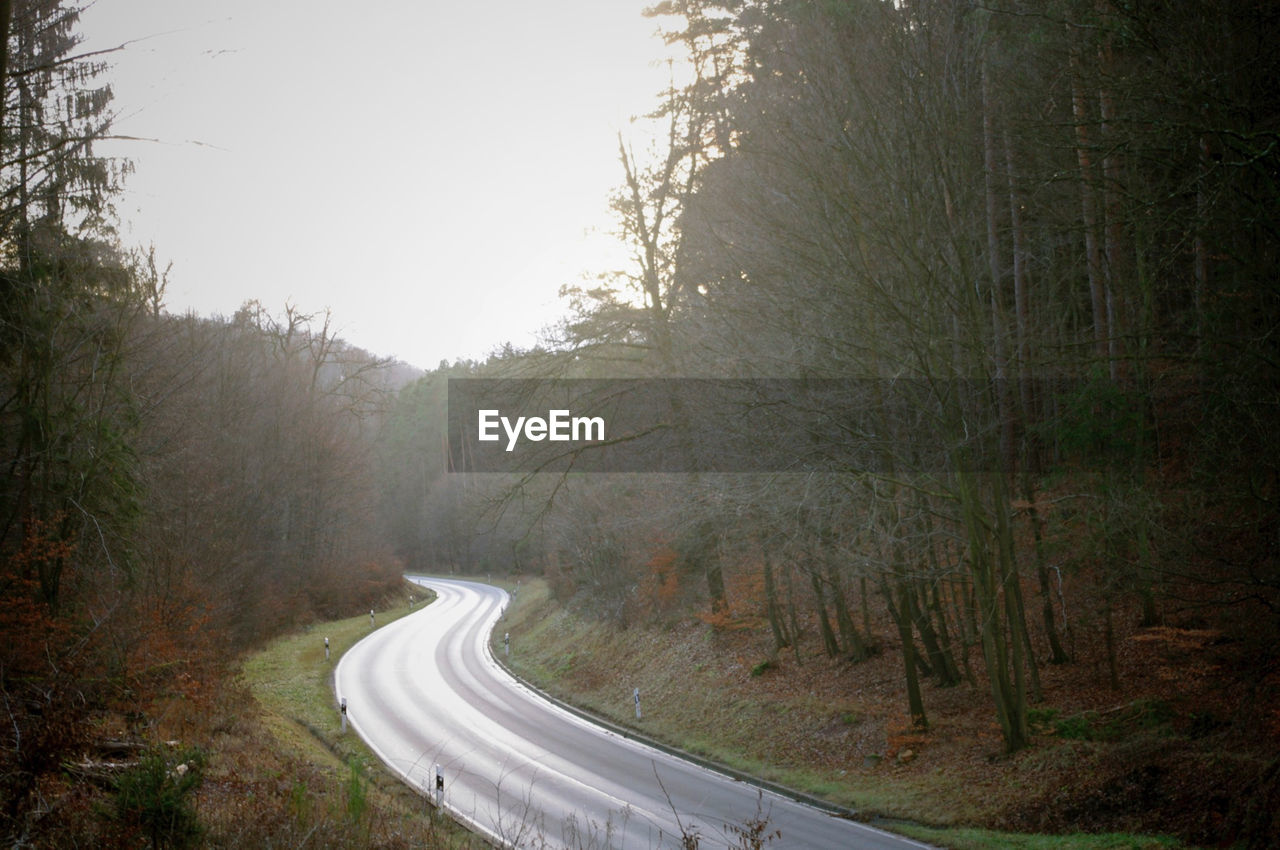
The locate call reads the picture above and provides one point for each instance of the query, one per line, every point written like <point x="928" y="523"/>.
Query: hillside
<point x="1185" y="750"/>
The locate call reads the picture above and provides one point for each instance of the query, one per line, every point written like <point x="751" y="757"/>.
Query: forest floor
<point x="1183" y="755"/>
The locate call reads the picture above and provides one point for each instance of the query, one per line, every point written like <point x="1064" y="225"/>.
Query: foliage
<point x="177" y="489"/>
<point x="157" y="797"/>
<point x="1029" y="239"/>
<point x="1100" y="423"/>
<point x="1046" y="235"/>
<point x="1115" y="724"/>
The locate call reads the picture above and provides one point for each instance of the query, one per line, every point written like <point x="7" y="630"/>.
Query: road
<point x="425" y="691"/>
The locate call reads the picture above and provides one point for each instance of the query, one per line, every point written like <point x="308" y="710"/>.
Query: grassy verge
<point x="981" y="839"/>
<point x="802" y="725"/>
<point x="291" y="682"/>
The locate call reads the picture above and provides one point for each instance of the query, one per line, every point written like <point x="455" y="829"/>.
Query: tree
<point x="1040" y="239"/>
<point x="69" y="302"/>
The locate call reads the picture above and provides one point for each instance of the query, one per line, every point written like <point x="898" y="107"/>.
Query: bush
<point x="157" y="797"/>
<point x="1077" y="727"/>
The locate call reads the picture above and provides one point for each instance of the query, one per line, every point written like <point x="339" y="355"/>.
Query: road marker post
<point x="326" y="649"/>
<point x="439" y="787"/>
<point x="506" y="643"/>
<point x="344" y="714"/>
<point x="637" y="698"/>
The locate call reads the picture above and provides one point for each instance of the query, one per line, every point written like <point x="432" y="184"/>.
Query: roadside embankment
<point x="815" y="725"/>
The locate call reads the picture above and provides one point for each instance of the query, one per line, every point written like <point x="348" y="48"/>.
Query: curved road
<point x="425" y="691"/>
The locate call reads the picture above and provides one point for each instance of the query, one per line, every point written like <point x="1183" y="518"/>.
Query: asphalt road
<point x="426" y="695"/>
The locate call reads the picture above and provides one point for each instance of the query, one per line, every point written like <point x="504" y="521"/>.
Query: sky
<point x="430" y="172"/>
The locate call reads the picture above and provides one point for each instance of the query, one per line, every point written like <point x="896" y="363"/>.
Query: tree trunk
<point x="1200" y="249"/>
<point x="949" y="673"/>
<point x="776" y="623"/>
<point x="915" y="700"/>
<point x="1016" y="610"/>
<point x="6" y="16"/>
<point x="853" y="642"/>
<point x="866" y="608"/>
<point x="943" y="666"/>
<point x="828" y="636"/>
<point x="1150" y="611"/>
<point x="1109" y="637"/>
<point x="998" y="333"/>
<point x="1118" y="266"/>
<point x="899" y="610"/>
<point x="1002" y="656"/>
<point x="1057" y="655"/>
<point x="1022" y="311"/>
<point x="938" y="611"/>
<point x="1089" y="215"/>
<point x="792" y="614"/>
<point x="967" y="619"/>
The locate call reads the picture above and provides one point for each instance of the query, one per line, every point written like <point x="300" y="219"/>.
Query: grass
<point x="293" y="682"/>
<point x="704" y="694"/>
<point x="981" y="839"/>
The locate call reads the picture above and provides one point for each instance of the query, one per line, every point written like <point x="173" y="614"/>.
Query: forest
<point x="1044" y="237"/>
<point x="1047" y="231"/>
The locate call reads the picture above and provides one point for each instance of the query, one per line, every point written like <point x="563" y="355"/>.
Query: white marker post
<point x="410" y="601"/>
<point x="344" y="714"/>
<point x="637" y="696"/>
<point x="439" y="787"/>
<point x="326" y="649"/>
<point x="506" y="643"/>
<point x="370" y="618"/>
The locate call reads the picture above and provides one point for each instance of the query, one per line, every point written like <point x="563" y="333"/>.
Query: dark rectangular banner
<point x="720" y="425"/>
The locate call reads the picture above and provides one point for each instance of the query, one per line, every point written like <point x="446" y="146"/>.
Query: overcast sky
<point x="430" y="171"/>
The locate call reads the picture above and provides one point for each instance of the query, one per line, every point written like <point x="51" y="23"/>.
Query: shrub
<point x="157" y="796"/>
